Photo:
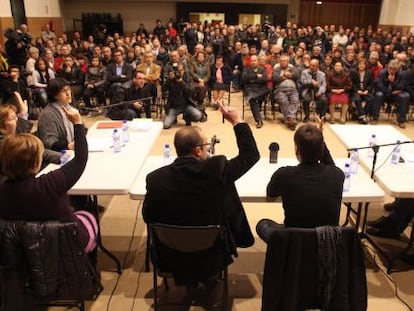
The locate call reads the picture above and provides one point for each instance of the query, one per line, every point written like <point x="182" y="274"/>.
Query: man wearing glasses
<point x="197" y="190"/>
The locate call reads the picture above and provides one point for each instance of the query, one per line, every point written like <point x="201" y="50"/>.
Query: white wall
<point x="5" y="8"/>
<point x="42" y="8"/>
<point x="397" y="12"/>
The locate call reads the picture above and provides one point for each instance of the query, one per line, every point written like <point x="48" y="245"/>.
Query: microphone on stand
<point x="214" y="140"/>
<point x="274" y="149"/>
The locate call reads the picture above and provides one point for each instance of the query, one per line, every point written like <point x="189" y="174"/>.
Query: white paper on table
<point x="99" y="144"/>
<point x="141" y="125"/>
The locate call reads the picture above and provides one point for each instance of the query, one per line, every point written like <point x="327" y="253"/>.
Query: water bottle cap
<point x="167" y="145"/>
<point x="346" y="164"/>
<point x="373" y="135"/>
<point x="115" y="131"/>
<point x="398" y="141"/>
<point x="124" y="121"/>
<point x="63" y="151"/>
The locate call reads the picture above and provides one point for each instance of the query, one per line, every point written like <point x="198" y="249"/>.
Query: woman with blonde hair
<point x="25" y="197"/>
<point x="9" y="126"/>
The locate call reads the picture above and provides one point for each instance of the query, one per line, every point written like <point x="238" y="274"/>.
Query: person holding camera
<point x="15" y="47"/>
<point x="179" y="98"/>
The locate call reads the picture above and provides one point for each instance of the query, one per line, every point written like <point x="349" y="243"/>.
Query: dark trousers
<point x="99" y="92"/>
<point x="255" y="97"/>
<point x="402" y="213"/>
<point x="362" y="111"/>
<point x="320" y="102"/>
<point x="401" y="99"/>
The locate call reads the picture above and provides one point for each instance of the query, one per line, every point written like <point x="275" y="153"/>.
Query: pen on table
<point x="123" y="145"/>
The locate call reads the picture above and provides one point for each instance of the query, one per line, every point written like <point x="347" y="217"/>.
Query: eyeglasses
<point x="202" y="145"/>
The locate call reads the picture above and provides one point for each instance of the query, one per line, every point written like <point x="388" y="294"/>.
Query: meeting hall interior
<point x="96" y="203"/>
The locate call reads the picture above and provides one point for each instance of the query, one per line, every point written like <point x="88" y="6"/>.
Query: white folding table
<point x="397" y="180"/>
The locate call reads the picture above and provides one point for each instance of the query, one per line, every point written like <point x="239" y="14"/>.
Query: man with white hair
<point x="286" y="92"/>
<point x="30" y="63"/>
<point x="391" y="88"/>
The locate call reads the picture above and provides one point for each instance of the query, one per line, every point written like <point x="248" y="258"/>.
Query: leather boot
<point x="344" y="110"/>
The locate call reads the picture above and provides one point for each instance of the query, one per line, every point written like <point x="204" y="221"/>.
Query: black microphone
<point x="274" y="149"/>
<point x="213" y="142"/>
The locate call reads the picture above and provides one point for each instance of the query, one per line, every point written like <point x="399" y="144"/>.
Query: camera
<point x="214" y="140"/>
<point x="176" y="73"/>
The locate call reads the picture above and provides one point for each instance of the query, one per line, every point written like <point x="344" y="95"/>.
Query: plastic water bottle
<point x="396" y="153"/>
<point x="116" y="139"/>
<point x="372" y="142"/>
<point x="347" y="180"/>
<point x="64" y="157"/>
<point x="166" y="154"/>
<point x="125" y="131"/>
<point x="354" y="161"/>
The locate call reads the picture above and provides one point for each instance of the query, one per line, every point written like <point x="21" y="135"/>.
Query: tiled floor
<point x="124" y="233"/>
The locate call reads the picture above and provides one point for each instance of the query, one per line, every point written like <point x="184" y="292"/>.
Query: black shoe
<point x="384" y="232"/>
<point x="390" y="206"/>
<point x="377" y="222"/>
<point x="363" y="121"/>
<point x="259" y="124"/>
<point x="384" y="227"/>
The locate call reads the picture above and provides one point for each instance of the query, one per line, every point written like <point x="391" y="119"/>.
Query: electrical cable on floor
<point x="374" y="253"/>
<point x="126" y="256"/>
<point x="137" y="288"/>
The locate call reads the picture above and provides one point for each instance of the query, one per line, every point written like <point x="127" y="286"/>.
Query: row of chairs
<point x="269" y="104"/>
<point x="291" y="274"/>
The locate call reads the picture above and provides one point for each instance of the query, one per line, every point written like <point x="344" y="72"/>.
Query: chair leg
<point x="225" y="288"/>
<point x="155" y="285"/>
<point x="147" y="251"/>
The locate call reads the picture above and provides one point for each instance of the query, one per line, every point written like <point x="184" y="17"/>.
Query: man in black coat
<point x="119" y="76"/>
<point x="198" y="190"/>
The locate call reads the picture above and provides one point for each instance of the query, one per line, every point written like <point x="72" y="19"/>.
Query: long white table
<point x="396" y="179"/>
<point x="252" y="185"/>
<point x="113" y="173"/>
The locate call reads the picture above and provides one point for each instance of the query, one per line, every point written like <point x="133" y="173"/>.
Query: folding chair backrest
<point x="186" y="239"/>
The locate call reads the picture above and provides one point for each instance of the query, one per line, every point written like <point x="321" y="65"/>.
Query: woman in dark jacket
<point x="362" y="90"/>
<point x="221" y="76"/>
<point x="339" y="85"/>
<point x="25" y="197"/>
<point x="95" y="82"/>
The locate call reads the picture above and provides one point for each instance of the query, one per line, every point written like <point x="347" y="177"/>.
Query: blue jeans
<point x="192" y="112"/>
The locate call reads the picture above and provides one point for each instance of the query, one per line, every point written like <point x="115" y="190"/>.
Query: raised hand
<point x="72" y="114"/>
